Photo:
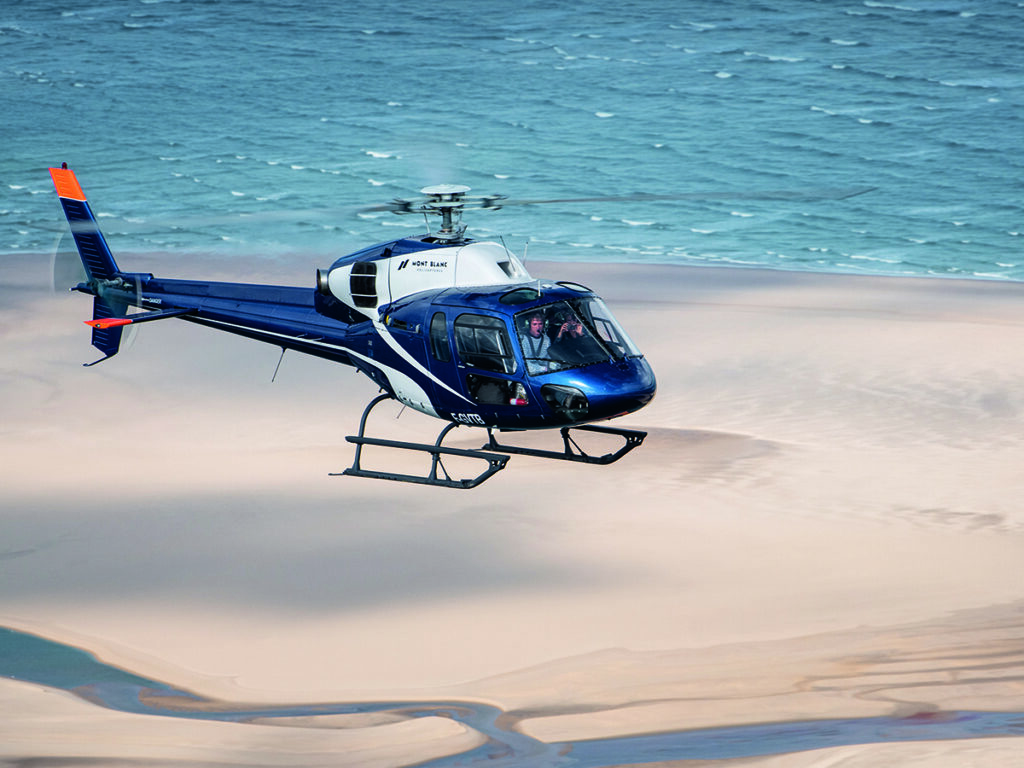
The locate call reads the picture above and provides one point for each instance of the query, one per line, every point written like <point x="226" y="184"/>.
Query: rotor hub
<point x="447" y="201"/>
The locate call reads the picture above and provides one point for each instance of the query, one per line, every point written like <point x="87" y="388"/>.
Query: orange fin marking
<point x="108" y="322"/>
<point x="66" y="184"/>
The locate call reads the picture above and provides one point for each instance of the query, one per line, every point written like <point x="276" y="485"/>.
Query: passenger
<point x="574" y="344"/>
<point x="536" y="344"/>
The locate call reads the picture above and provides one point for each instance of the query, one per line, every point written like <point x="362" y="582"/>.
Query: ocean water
<point x="264" y="127"/>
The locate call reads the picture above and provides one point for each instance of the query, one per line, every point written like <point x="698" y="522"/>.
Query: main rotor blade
<point x="420" y="205"/>
<point x="339" y="214"/>
<point x="162" y="223"/>
<point x="839" y="193"/>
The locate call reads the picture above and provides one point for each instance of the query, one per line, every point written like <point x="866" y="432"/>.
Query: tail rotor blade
<point x="66" y="267"/>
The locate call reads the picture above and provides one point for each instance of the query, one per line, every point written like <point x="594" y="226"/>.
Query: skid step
<point x="571" y="449"/>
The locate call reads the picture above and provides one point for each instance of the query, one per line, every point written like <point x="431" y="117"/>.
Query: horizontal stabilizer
<point x="104" y="323"/>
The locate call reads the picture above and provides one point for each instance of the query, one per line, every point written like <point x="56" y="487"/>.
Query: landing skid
<point x="493" y="452"/>
<point x="438" y="476"/>
<point x="571" y="449"/>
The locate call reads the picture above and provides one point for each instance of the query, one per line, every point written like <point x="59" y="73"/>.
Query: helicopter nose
<point x="626" y="386"/>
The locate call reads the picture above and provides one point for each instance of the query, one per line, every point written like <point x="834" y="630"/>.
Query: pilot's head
<point x="535" y="324"/>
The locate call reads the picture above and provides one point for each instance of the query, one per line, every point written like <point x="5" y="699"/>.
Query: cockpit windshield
<point x="569" y="334"/>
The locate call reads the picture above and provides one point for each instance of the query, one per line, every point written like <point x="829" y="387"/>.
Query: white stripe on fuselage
<point x="410" y="386"/>
<point x="404" y="354"/>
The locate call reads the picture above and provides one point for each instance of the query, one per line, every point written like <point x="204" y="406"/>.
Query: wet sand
<point x="824" y="522"/>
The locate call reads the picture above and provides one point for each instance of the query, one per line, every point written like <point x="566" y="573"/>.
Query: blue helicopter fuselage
<point x="456" y="353"/>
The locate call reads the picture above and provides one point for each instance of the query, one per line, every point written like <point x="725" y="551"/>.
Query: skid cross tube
<point x="495" y="461"/>
<point x="572" y="451"/>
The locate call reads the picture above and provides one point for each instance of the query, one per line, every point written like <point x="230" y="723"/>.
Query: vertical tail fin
<point x="96" y="258"/>
<point x="92" y="247"/>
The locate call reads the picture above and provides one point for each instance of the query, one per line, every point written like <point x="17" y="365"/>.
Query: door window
<point x="483" y="342"/>
<point x="440" y="348"/>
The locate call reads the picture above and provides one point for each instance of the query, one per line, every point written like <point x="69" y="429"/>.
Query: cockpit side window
<point x="483" y="342"/>
<point x="440" y="348"/>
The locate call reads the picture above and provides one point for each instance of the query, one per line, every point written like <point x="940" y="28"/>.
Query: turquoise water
<point x="262" y="127"/>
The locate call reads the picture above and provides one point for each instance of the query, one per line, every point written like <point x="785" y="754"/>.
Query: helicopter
<point x="450" y="326"/>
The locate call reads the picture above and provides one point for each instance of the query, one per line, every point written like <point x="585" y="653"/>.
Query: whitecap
<point x="633" y="223"/>
<point x="836" y="41"/>
<point x="702" y="231"/>
<point x="501" y="176"/>
<point x="237" y="194"/>
<point x="376" y="183"/>
<point x="741" y="214"/>
<point x="604" y="114"/>
<point x="893" y="6"/>
<point x="298" y="167"/>
<point x="378" y="155"/>
<point x="770" y="57"/>
<point x="862" y="257"/>
<point x="724" y="75"/>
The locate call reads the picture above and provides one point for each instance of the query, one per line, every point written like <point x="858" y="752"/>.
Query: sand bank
<point x="830" y="492"/>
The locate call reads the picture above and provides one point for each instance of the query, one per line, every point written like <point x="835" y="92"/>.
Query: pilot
<point x="536" y="344"/>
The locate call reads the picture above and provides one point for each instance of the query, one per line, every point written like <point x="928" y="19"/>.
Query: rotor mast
<point x="447" y="201"/>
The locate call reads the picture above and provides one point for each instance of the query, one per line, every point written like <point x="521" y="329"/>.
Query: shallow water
<point x="33" y="659"/>
<point x="179" y="117"/>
